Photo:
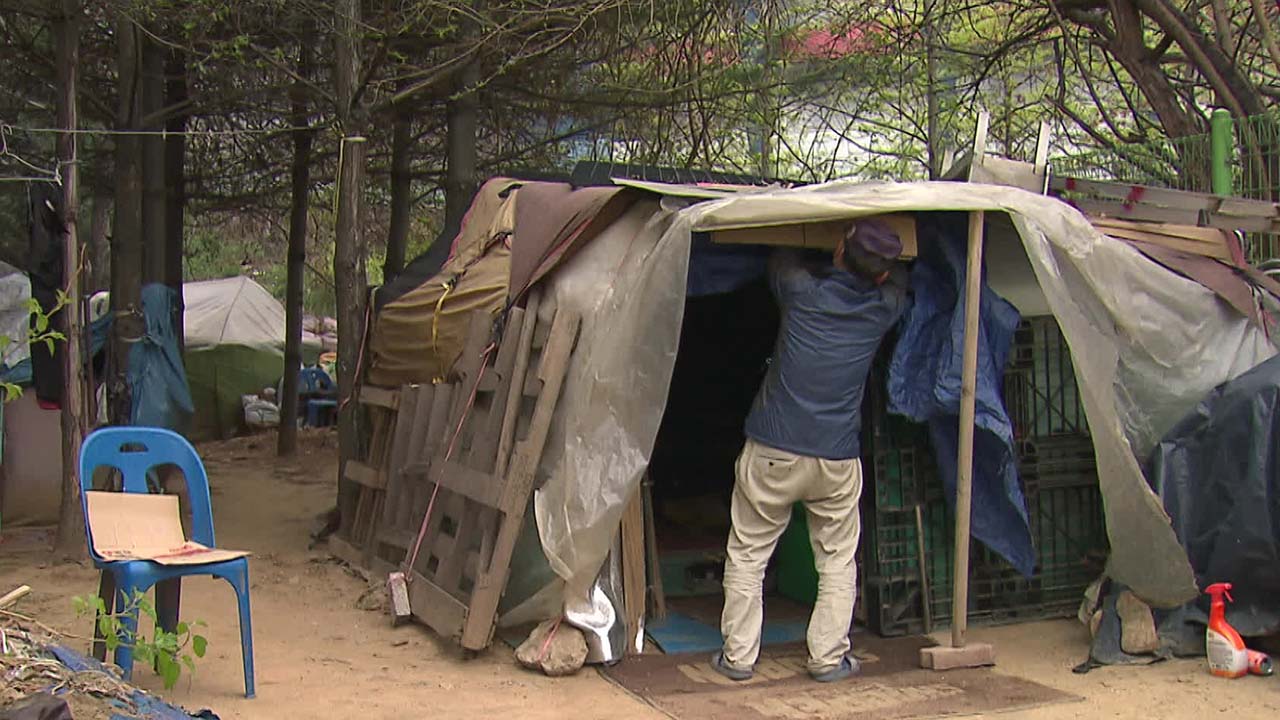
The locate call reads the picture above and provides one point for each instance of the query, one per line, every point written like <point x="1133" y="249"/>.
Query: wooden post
<point x="964" y="460"/>
<point x="70" y="537"/>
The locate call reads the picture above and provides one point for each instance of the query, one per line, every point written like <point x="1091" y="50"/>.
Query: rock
<point x="564" y="654"/>
<point x="1091" y="602"/>
<point x="1137" y="626"/>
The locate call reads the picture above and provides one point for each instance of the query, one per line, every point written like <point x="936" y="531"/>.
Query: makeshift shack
<point x="577" y="341"/>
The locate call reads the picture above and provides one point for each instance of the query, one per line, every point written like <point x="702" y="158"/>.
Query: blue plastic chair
<point x="135" y="451"/>
<point x="315" y="384"/>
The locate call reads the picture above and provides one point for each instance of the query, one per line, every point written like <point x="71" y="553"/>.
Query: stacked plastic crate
<point x="1056" y="466"/>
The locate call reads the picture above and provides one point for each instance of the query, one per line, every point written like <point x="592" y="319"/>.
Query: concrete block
<point x="943" y="657"/>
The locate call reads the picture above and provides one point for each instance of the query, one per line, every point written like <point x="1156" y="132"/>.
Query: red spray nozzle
<point x="1220" y="589"/>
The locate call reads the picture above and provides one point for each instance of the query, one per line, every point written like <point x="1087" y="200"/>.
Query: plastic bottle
<point x="1228" y="657"/>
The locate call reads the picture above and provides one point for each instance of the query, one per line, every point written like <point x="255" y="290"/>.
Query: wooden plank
<point x="345" y="551"/>
<point x="1135" y="194"/>
<point x="1246" y="207"/>
<point x="554" y="365"/>
<point x="420" y="424"/>
<point x="552" y="368"/>
<point x="372" y="478"/>
<point x="403" y="512"/>
<point x="452" y="475"/>
<point x="467" y="368"/>
<point x="369" y="535"/>
<point x="1187" y="246"/>
<point x="633" y="571"/>
<point x="823" y="235"/>
<point x="436" y="608"/>
<point x="484" y="446"/>
<point x="657" y="595"/>
<point x="1152" y="197"/>
<point x="388" y="398"/>
<point x="466" y="519"/>
<point x="515" y="392"/>
<point x="1010" y="173"/>
<point x="1185" y="232"/>
<point x="396" y="486"/>
<point x="402" y="539"/>
<point x="1104" y="208"/>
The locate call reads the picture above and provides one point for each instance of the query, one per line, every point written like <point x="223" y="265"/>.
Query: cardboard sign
<point x="138" y="526"/>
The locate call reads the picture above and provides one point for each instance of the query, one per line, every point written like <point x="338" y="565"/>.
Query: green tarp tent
<point x="234" y="331"/>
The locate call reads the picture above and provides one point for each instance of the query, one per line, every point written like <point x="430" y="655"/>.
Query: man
<point x="803" y="442"/>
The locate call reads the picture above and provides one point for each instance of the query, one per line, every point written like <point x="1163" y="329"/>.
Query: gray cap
<point x="874" y="237"/>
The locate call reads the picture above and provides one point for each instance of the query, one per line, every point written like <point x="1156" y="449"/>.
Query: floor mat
<point x="891" y="687"/>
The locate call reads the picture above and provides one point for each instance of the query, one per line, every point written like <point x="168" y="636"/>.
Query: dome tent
<point x="234" y="332"/>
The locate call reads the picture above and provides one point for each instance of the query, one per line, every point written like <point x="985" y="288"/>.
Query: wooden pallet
<point x="353" y="543"/>
<point x="496" y="416"/>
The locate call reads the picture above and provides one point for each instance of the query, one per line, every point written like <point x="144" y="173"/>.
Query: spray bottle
<point x="1228" y="657"/>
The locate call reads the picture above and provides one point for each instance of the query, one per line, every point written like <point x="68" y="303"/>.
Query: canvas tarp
<point x="1146" y="343"/>
<point x="418" y="336"/>
<point x="551" y="218"/>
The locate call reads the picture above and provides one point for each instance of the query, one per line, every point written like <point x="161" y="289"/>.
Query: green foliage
<point x="166" y="652"/>
<point x="40" y="334"/>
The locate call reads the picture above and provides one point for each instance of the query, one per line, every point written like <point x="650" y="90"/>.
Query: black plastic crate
<point x="1059" y="477"/>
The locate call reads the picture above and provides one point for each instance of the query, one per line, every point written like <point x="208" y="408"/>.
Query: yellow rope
<point x="448" y="285"/>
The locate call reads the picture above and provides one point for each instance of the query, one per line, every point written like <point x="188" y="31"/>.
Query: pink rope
<point x="546" y="644"/>
<point x="431" y="503"/>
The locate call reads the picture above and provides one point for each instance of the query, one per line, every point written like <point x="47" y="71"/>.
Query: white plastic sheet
<point x="628" y="284"/>
<point x="15" y="316"/>
<point x="1146" y="343"/>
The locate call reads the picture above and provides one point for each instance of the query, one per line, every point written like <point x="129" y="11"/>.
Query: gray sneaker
<point x="719" y="665"/>
<point x="847" y="668"/>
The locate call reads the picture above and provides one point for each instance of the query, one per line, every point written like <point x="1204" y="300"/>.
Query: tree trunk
<point x="349" y="250"/>
<point x="932" y="112"/>
<point x="1227" y="79"/>
<point x="401" y="195"/>
<point x="70" y="542"/>
<point x="175" y="180"/>
<point x="300" y="181"/>
<point x="461" y="168"/>
<point x="154" y="195"/>
<point x="99" y="260"/>
<point x="126" y="240"/>
<point x="1127" y="44"/>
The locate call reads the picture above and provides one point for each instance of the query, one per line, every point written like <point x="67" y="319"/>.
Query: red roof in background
<point x="830" y="45"/>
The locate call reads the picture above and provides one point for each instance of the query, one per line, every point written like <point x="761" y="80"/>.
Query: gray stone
<point x="1137" y="626"/>
<point x="564" y="654"/>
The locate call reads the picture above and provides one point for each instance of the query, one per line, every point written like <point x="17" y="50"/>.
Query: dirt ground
<point x="319" y="654"/>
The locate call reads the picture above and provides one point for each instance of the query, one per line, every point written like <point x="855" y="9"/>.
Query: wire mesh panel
<point x="1175" y="163"/>
<point x="1059" y="478"/>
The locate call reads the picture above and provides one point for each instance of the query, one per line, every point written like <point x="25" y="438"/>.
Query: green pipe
<point x="1220" y="142"/>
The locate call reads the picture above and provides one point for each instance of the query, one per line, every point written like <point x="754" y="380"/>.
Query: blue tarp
<point x="144" y="706"/>
<point x="924" y="385"/>
<point x="157" y="376"/>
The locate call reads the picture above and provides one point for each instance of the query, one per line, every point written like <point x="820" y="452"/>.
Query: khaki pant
<point x="769" y="482"/>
